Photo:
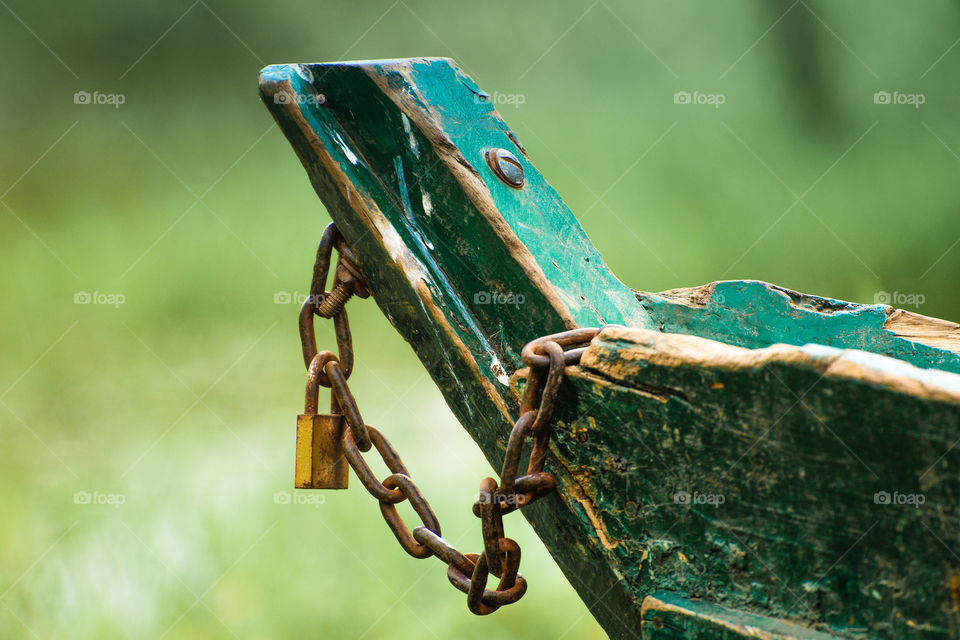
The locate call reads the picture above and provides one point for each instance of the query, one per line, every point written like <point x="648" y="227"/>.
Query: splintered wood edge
<point x="680" y="350"/>
<point x="933" y="332"/>
<point x="916" y="327"/>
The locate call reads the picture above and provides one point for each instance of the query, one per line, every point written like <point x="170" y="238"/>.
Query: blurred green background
<point x="189" y="208"/>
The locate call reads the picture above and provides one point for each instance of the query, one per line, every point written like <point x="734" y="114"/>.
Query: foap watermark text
<point x="497" y="298"/>
<point x="112" y="99"/>
<point x="498" y="99"/>
<point x="712" y="499"/>
<point x="899" y="98"/>
<point x="900" y="499"/>
<point x="698" y="98"/>
<point x="96" y="498"/>
<point x="294" y="297"/>
<point x="98" y="297"/>
<point x="299" y="98"/>
<point x="899" y="298"/>
<point x="311" y="498"/>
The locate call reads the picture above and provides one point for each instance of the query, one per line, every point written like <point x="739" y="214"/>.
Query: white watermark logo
<point x="295" y="297"/>
<point x="502" y="99"/>
<point x="712" y="499"/>
<point x="97" y="297"/>
<point x="911" y="99"/>
<point x="496" y="298"/>
<point x="96" y="498"/>
<point x="299" y="98"/>
<point x="911" y="499"/>
<point x="712" y="99"/>
<point x="85" y="97"/>
<point x="312" y="498"/>
<point x="899" y="298"/>
<point x="509" y="499"/>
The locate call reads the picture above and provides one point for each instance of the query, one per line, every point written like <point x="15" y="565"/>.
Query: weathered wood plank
<point x="750" y="478"/>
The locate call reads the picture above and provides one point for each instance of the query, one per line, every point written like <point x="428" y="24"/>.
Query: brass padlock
<point x="320" y="462"/>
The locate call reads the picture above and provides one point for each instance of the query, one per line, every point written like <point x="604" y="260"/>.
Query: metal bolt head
<point x="506" y="167"/>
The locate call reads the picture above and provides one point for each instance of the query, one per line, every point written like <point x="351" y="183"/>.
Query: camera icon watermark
<point x="95" y="498"/>
<point x="696" y="498"/>
<point x="113" y="99"/>
<point x="698" y="98"/>
<point x="898" y="98"/>
<point x="299" y="98"/>
<point x="96" y="297"/>
<point x="504" y="499"/>
<point x="310" y="498"/>
<point x="899" y="298"/>
<point x="896" y="498"/>
<point x="496" y="98"/>
<point x="295" y="297"/>
<point x="497" y="298"/>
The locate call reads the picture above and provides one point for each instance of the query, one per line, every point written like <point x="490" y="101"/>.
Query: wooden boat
<point x="733" y="460"/>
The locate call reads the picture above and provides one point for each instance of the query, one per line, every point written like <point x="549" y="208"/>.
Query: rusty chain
<point x="546" y="359"/>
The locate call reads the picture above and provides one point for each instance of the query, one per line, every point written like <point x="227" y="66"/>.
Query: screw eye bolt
<point x="506" y="167"/>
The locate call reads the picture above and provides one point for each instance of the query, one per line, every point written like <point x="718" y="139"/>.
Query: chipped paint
<point x="755" y="314"/>
<point x="408" y="207"/>
<point x="347" y="151"/>
<point x="412" y="138"/>
<point x="499" y="372"/>
<point x="304" y="72"/>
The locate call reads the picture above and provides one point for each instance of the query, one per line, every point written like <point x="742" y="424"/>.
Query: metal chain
<point x="546" y="358"/>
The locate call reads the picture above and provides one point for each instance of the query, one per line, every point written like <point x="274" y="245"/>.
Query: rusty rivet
<point x="506" y="166"/>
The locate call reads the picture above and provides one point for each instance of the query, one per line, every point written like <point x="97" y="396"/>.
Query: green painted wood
<point x="757" y="314"/>
<point x="667" y="616"/>
<point x="755" y="478"/>
<point x="468" y="270"/>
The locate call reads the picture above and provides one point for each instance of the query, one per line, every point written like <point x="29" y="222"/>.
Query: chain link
<point x="546" y="359"/>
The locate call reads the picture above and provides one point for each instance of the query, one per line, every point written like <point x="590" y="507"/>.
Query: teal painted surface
<point x="535" y="213"/>
<point x="756" y="314"/>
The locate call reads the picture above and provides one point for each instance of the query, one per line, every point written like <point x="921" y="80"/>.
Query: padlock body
<point x="320" y="461"/>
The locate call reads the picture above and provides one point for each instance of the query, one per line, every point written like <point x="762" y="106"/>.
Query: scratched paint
<point x="426" y="251"/>
<point x="347" y="151"/>
<point x="412" y="138"/>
